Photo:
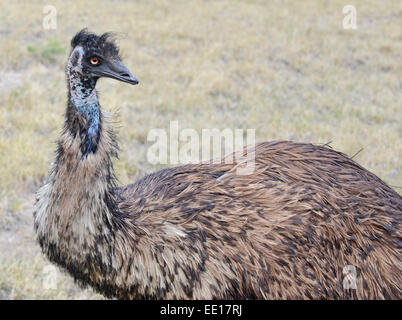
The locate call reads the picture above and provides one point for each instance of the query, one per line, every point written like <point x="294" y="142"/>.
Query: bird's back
<point x="293" y="228"/>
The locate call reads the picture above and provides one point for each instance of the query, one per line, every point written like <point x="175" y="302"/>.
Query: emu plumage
<point x="201" y="231"/>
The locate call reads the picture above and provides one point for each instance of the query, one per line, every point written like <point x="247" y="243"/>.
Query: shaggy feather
<point x="201" y="231"/>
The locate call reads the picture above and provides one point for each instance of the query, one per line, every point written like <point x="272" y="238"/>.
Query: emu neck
<point x="83" y="93"/>
<point x="84" y="100"/>
<point x="78" y="197"/>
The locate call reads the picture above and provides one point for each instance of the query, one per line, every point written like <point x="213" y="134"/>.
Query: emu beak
<point x="116" y="70"/>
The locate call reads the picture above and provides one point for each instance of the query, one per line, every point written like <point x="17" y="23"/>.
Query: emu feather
<point x="200" y="231"/>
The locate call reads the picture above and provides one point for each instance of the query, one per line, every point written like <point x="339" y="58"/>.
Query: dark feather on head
<point x="103" y="44"/>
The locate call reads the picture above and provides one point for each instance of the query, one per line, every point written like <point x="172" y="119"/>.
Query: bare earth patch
<point x="9" y="80"/>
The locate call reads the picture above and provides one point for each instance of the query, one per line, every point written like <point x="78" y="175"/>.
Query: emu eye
<point x="94" y="60"/>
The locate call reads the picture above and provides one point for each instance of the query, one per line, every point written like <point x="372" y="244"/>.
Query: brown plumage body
<point x="201" y="231"/>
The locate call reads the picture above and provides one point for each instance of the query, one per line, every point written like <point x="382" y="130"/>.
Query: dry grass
<point x="286" y="68"/>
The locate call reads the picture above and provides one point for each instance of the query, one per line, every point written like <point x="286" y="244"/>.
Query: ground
<point x="285" y="68"/>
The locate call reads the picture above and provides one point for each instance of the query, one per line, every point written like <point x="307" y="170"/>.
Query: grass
<point x="285" y="68"/>
<point x="49" y="52"/>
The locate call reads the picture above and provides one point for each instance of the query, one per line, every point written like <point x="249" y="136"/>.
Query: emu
<point x="307" y="223"/>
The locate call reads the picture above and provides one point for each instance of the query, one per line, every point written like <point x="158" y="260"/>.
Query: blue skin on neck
<point x="84" y="98"/>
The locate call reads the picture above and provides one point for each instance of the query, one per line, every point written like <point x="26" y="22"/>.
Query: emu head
<point x="93" y="57"/>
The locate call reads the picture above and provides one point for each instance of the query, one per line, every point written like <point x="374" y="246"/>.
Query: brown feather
<point x="202" y="231"/>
